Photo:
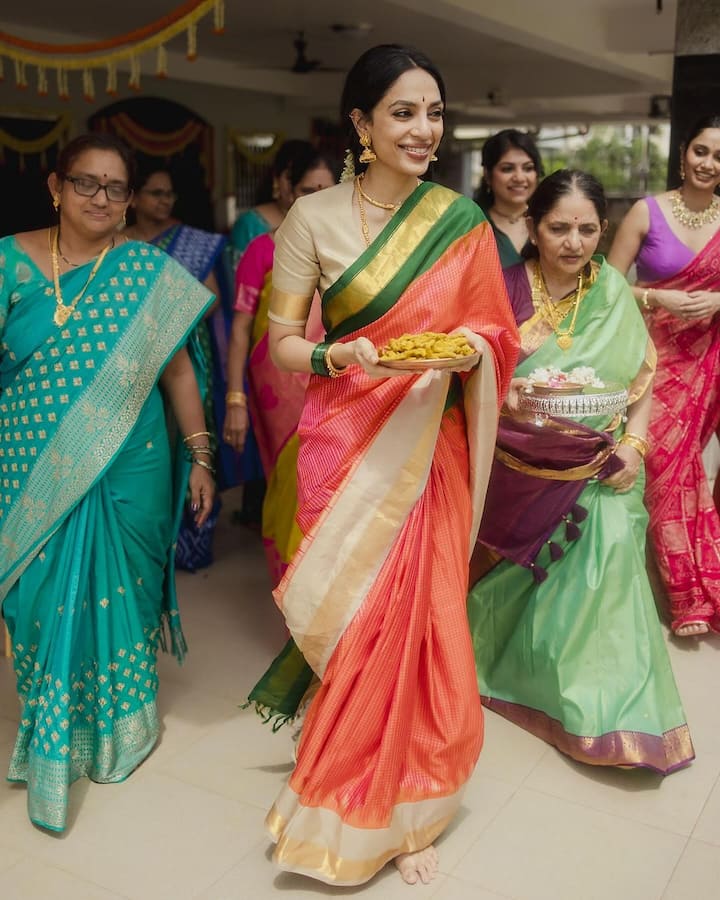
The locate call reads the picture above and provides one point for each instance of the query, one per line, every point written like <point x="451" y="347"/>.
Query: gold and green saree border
<point x="417" y="236"/>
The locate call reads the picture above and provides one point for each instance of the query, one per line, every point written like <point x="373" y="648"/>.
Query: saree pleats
<point x="85" y="621"/>
<point x="684" y="521"/>
<point x="416" y="692"/>
<point x="577" y="656"/>
<point x="391" y="478"/>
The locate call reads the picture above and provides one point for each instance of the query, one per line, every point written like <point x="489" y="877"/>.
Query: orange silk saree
<point x="391" y="483"/>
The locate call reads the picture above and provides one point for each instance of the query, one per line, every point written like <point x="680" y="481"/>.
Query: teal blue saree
<point x="88" y="512"/>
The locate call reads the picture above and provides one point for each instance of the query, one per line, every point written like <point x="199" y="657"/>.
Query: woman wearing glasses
<point x="93" y="327"/>
<point x="200" y="252"/>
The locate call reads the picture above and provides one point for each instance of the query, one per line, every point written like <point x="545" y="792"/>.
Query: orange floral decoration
<point x="107" y="54"/>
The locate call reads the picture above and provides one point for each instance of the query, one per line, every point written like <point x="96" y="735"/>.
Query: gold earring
<point x="124" y="218"/>
<point x="56" y="202"/>
<point x="682" y="169"/>
<point x="368" y="155"/>
<point x="433" y="158"/>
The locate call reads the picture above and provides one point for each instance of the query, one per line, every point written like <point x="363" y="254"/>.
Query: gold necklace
<point x="511" y="219"/>
<point x="390" y="207"/>
<point x="555" y="313"/>
<point x="63" y="312"/>
<point x="694" y="219"/>
<point x="363" y="218"/>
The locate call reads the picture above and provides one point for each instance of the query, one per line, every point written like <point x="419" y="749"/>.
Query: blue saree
<point x="88" y="512"/>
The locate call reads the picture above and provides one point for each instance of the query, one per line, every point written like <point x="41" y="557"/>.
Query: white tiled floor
<point x="188" y="824"/>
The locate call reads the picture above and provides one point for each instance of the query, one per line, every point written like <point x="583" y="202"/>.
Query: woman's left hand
<point x="202" y="493"/>
<point x="624" y="480"/>
<point x="701" y="304"/>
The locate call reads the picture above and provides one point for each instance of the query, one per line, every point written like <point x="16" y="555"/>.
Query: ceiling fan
<point x="302" y="64"/>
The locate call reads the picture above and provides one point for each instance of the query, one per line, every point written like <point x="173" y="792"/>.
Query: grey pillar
<point x="696" y="76"/>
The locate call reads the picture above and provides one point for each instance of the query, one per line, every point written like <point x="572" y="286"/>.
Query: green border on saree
<point x="429" y="221"/>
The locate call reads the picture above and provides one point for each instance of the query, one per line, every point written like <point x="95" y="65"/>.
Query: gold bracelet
<point x="203" y="465"/>
<point x="636" y="442"/>
<point x="189" y="437"/>
<point x="236" y="398"/>
<point x="196" y="448"/>
<point x="333" y="370"/>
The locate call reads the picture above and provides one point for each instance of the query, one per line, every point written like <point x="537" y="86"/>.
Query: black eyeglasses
<point x="160" y="194"/>
<point x="88" y="187"/>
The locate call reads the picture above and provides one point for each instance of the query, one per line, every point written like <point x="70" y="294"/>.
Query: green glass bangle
<point x="317" y="360"/>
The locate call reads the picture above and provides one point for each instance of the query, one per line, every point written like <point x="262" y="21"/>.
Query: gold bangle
<point x="644" y="299"/>
<point x="333" y="370"/>
<point x="203" y="465"/>
<point x="189" y="437"/>
<point x="236" y="398"/>
<point x="636" y="442"/>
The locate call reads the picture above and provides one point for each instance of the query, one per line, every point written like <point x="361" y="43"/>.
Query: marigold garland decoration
<point x="106" y="54"/>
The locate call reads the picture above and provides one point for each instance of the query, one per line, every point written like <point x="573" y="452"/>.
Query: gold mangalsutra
<point x="63" y="312"/>
<point x="694" y="219"/>
<point x="390" y="207"/>
<point x="556" y="313"/>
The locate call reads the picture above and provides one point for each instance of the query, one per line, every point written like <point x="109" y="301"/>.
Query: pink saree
<point x="275" y="401"/>
<point x="684" y="521"/>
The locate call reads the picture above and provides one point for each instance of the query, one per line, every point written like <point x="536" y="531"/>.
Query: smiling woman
<point x="674" y="239"/>
<point x="392" y="468"/>
<point x="88" y="339"/>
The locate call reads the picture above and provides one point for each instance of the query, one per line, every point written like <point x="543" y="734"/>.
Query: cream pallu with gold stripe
<point x="351" y="543"/>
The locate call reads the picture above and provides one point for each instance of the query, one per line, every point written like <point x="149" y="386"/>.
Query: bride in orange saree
<point x="674" y="239"/>
<point x="392" y="471"/>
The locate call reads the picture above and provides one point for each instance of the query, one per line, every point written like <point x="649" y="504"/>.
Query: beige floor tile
<point x="30" y="880"/>
<point x="242" y="758"/>
<point x="455" y="889"/>
<point x="257" y="878"/>
<point x="543" y="848"/>
<point x="483" y="800"/>
<point x="509" y="752"/>
<point x="186" y="716"/>
<point x="8" y="858"/>
<point x="164" y="839"/>
<point x="673" y="803"/>
<point x="697" y="876"/>
<point x="708" y="825"/>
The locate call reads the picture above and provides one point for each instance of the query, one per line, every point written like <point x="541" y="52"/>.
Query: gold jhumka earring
<point x="56" y="202"/>
<point x="368" y="155"/>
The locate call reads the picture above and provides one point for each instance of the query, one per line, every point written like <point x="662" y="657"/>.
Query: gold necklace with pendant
<point x="554" y="313"/>
<point x="62" y="312"/>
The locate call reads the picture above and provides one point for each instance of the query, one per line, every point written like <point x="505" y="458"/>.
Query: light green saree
<point x="87" y="512"/>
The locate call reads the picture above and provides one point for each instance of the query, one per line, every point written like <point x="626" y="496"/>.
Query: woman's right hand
<point x="236" y="427"/>
<point x="517" y="387"/>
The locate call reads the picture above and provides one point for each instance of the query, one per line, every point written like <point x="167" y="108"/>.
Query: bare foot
<point x="691" y="629"/>
<point x="419" y="866"/>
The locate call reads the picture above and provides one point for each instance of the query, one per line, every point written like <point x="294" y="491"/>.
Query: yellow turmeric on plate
<point x="427" y="345"/>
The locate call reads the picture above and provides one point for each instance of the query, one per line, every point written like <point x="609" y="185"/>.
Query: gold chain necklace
<point x="63" y="312"/>
<point x="694" y="219"/>
<point x="511" y="219"/>
<point x="363" y="218"/>
<point x="554" y="313"/>
<point x="390" y="207"/>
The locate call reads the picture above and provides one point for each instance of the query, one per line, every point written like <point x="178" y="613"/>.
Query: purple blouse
<point x="662" y="253"/>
